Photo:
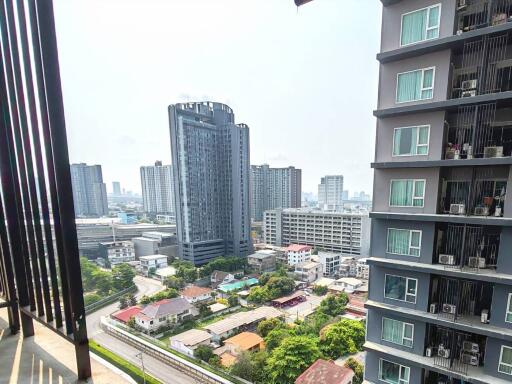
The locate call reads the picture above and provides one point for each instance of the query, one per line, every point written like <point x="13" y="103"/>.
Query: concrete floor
<point x="45" y="358"/>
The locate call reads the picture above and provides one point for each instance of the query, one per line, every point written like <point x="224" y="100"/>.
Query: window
<point x="393" y="373"/>
<point x="415" y="85"/>
<point x="420" y="25"/>
<point x="400" y="288"/>
<point x="407" y="193"/>
<point x="508" y="313"/>
<point x="404" y="242"/>
<point x="505" y="365"/>
<point x="410" y="141"/>
<point x="397" y="332"/>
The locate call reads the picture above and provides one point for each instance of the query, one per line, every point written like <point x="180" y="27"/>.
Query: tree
<point x="102" y="282"/>
<point x="265" y="326"/>
<point x="226" y="264"/>
<point x="203" y="352"/>
<point x="91" y="298"/>
<point x="342" y="338"/>
<point x="204" y="310"/>
<point x="258" y="295"/>
<point x="233" y="300"/>
<point x="276" y="336"/>
<point x="123" y="302"/>
<point x="279" y="286"/>
<point x="333" y="305"/>
<point x="291" y="358"/>
<point x="145" y="300"/>
<point x="122" y="276"/>
<point x="87" y="269"/>
<point x="131" y="323"/>
<point x="319" y="290"/>
<point x="244" y="367"/>
<point x="169" y="293"/>
<point x="313" y="324"/>
<point x="214" y="361"/>
<point x="131" y="300"/>
<point x="174" y="282"/>
<point x="358" y="369"/>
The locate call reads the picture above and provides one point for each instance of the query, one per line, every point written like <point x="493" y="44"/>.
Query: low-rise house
<point x="245" y="341"/>
<point x="263" y="261"/>
<point x="347" y="284"/>
<point x="117" y="252"/>
<point x="326" y="372"/>
<point x="363" y="269"/>
<point x="124" y="315"/>
<point x="297" y="253"/>
<point x="188" y="341"/>
<point x="220" y="277"/>
<point x="163" y="273"/>
<point x="164" y="313"/>
<point x="308" y="271"/>
<point x="150" y="264"/>
<point x="330" y="262"/>
<point x="349" y="263"/>
<point x="218" y="308"/>
<point x="194" y="294"/>
<point x="324" y="282"/>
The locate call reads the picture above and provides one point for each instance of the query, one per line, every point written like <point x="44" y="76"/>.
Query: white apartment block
<point x="297" y="253"/>
<point x="338" y="232"/>
<point x="330" y="193"/>
<point x="151" y="263"/>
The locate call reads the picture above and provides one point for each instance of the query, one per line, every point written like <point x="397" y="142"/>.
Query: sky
<point x="304" y="80"/>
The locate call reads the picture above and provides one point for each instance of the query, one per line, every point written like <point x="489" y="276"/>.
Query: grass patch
<point x="132" y="370"/>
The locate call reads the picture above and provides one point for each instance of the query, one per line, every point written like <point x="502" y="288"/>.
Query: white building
<point x="188" y="341"/>
<point x="164" y="313"/>
<point x="339" y="232"/>
<point x="297" y="253"/>
<point x="348" y="284"/>
<point x="308" y="271"/>
<point x="194" y="293"/>
<point x="157" y="188"/>
<point x="117" y="252"/>
<point x="152" y="262"/>
<point x="363" y="269"/>
<point x="330" y="193"/>
<point x="330" y="262"/>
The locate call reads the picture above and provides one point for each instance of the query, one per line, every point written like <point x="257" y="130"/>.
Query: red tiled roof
<point x="195" y="291"/>
<point x="325" y="372"/>
<point x="298" y="248"/>
<point x="125" y="314"/>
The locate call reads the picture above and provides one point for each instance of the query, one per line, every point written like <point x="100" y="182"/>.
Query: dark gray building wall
<point x="376" y="288"/>
<point x="374" y="331"/>
<point x="392" y="19"/>
<point x="388" y="77"/>
<point x="386" y="127"/>
<point x="504" y="259"/>
<point x="382" y="183"/>
<point x="379" y="239"/>
<point x="492" y="358"/>
<point x="372" y="362"/>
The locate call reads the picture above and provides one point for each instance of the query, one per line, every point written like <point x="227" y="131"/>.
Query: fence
<point x="109" y="300"/>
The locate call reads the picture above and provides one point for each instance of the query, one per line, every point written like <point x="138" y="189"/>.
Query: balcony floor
<point x="46" y="358"/>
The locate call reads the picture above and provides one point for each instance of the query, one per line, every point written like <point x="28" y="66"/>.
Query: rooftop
<point x="238" y="285"/>
<point x="153" y="257"/>
<point x="263" y="254"/>
<point x="193" y="291"/>
<point x="284" y="299"/>
<point x="245" y="340"/>
<point x="325" y="372"/>
<point x="307" y="265"/>
<point x="166" y="307"/>
<point x="298" y="248"/>
<point x="349" y="281"/>
<point x="324" y="281"/>
<point x="192" y="337"/>
<point x="125" y="314"/>
<point x="236" y="320"/>
<point x="166" y="272"/>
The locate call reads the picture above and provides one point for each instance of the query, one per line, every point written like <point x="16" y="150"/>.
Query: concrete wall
<point x="392" y="20"/>
<point x="379" y="239"/>
<point x="372" y="360"/>
<point x="376" y="289"/>
<point x="374" y="331"/>
<point x="492" y="358"/>
<point x="382" y="184"/>
<point x="504" y="259"/>
<point x="386" y="127"/>
<point x="388" y="77"/>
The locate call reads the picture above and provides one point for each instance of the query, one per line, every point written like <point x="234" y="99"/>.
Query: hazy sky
<point x="304" y="81"/>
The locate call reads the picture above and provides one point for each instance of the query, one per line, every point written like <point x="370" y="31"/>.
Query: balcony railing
<point x="431" y="377"/>
<point x="476" y="14"/>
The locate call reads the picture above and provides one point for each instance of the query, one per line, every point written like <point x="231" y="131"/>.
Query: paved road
<point x="302" y="310"/>
<point x="155" y="367"/>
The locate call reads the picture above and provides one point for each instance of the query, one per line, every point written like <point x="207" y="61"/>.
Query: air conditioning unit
<point x="470" y="93"/>
<point x="469" y="346"/>
<point x="469" y="359"/>
<point x="433" y="308"/>
<point x="457" y="209"/>
<point x="476" y="262"/>
<point x="493" y="151"/>
<point x="461" y="4"/>
<point x="446" y="259"/>
<point x="449" y="308"/>
<point x="481" y="211"/>
<point x="484" y="316"/>
<point x="428" y="352"/>
<point x="468" y="85"/>
<point x="442" y="352"/>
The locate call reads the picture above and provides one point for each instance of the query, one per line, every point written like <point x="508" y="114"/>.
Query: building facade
<point x="211" y="181"/>
<point x="440" y="293"/>
<point x="116" y="188"/>
<point x="157" y="188"/>
<point x="273" y="188"/>
<point x="330" y="193"/>
<point x="89" y="190"/>
<point x="117" y="252"/>
<point x="347" y="233"/>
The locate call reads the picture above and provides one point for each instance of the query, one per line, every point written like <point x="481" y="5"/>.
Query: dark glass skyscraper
<point x="89" y="190"/>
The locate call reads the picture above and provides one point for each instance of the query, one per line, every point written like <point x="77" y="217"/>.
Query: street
<point x="156" y="368"/>
<point x="301" y="310"/>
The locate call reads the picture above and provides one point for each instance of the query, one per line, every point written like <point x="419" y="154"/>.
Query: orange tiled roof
<point x="298" y="248"/>
<point x="245" y="340"/>
<point x="325" y="372"/>
<point x="194" y="291"/>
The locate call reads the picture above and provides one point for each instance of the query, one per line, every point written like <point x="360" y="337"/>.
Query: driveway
<point x="301" y="310"/>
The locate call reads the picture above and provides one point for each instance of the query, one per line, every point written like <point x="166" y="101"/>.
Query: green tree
<point x="244" y="367"/>
<point x="265" y="326"/>
<point x="280" y="286"/>
<point x="131" y="323"/>
<point x="342" y="338"/>
<point x="258" y="295"/>
<point x="204" y="310"/>
<point x="122" y="276"/>
<point x="91" y="298"/>
<point x="131" y="300"/>
<point x="313" y="324"/>
<point x="358" y="369"/>
<point x="174" y="282"/>
<point x="145" y="300"/>
<point x="123" y="302"/>
<point x="276" y="336"/>
<point x="169" y="293"/>
<point x="87" y="268"/>
<point x="319" y="290"/>
<point x="233" y="300"/>
<point x="102" y="282"/>
<point x="291" y="358"/>
<point x="203" y="352"/>
<point x="214" y="361"/>
<point x="333" y="305"/>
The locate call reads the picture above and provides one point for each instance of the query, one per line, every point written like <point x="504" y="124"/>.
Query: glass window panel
<point x="414" y="27"/>
<point x="411" y="287"/>
<point x="433" y="17"/>
<point x="389" y="372"/>
<point x="505" y="365"/>
<point x="398" y="241"/>
<point x="428" y="77"/>
<point x="423" y="135"/>
<point x="406" y="141"/>
<point x="419" y="186"/>
<point x="395" y="287"/>
<point x="409" y="86"/>
<point x="415" y="238"/>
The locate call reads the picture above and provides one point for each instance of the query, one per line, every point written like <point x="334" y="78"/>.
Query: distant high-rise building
<point x="116" y="188"/>
<point x="274" y="188"/>
<point x="89" y="190"/>
<point x="330" y="193"/>
<point x="344" y="195"/>
<point x="210" y="156"/>
<point x="157" y="188"/>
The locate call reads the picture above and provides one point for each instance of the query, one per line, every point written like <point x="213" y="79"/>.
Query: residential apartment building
<point x="263" y="261"/>
<point x="273" y="188"/>
<point x="440" y="294"/>
<point x="89" y="190"/>
<point x="308" y="271"/>
<point x="149" y="264"/>
<point x="117" y="252"/>
<point x="297" y="253"/>
<point x="155" y="243"/>
<point x="211" y="178"/>
<point x="157" y="188"/>
<point x="330" y="193"/>
<point x="339" y="232"/>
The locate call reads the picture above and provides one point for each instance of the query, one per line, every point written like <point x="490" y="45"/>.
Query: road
<point x="301" y="310"/>
<point x="156" y="368"/>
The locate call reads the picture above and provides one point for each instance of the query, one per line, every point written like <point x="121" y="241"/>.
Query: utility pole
<point x="140" y="356"/>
